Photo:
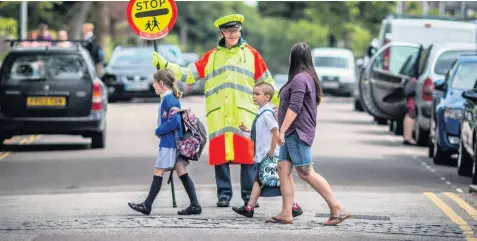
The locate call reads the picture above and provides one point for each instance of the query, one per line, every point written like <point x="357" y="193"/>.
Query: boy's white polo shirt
<point x="265" y="123"/>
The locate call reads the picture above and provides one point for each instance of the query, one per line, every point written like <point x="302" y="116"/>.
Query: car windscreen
<point x="446" y="59"/>
<point x="330" y="61"/>
<point x="132" y="57"/>
<point x="51" y="66"/>
<point x="465" y="76"/>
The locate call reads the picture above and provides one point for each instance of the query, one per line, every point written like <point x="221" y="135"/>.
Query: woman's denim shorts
<point x="295" y="150"/>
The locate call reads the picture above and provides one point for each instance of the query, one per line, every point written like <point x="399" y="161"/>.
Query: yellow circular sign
<point x="152" y="19"/>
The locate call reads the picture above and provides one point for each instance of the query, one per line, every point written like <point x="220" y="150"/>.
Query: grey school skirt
<point x="166" y="158"/>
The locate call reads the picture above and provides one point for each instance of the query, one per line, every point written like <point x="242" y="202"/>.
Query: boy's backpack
<point x="192" y="144"/>
<point x="268" y="173"/>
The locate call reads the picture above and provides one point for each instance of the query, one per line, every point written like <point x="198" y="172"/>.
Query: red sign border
<point x="150" y="36"/>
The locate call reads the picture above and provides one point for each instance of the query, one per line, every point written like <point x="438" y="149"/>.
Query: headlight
<point x="454" y="114"/>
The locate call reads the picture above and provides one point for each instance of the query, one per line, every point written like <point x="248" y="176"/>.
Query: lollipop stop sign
<point x="151" y="19"/>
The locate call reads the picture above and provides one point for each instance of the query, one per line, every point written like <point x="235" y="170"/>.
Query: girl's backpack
<point x="192" y="144"/>
<point x="268" y="173"/>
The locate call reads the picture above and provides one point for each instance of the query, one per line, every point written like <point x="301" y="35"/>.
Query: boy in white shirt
<point x="265" y="135"/>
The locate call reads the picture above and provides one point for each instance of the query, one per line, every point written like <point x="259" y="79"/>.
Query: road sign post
<point x="152" y="20"/>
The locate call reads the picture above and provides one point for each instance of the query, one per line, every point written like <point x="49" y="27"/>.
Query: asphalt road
<point x="56" y="188"/>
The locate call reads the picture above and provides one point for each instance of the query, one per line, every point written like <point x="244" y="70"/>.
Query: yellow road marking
<point x="26" y="141"/>
<point x="453" y="216"/>
<point x="463" y="204"/>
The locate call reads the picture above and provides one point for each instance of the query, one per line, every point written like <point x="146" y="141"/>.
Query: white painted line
<point x="459" y="190"/>
<point x="432" y="170"/>
<point x="448" y="183"/>
<point x="443" y="179"/>
<point x="389" y="138"/>
<point x="407" y="152"/>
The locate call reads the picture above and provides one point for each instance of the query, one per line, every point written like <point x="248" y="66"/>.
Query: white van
<point x="336" y="69"/>
<point x="401" y="40"/>
<point x="425" y="30"/>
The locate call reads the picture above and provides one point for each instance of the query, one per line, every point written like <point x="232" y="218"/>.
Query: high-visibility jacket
<point x="229" y="76"/>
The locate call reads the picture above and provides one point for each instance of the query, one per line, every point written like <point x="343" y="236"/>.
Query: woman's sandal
<point x="278" y="220"/>
<point x="334" y="221"/>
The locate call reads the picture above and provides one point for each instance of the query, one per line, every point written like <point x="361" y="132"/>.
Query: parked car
<point x="448" y="109"/>
<point x="466" y="161"/>
<point x="336" y="70"/>
<point x="129" y="72"/>
<point x="385" y="103"/>
<point x="434" y="63"/>
<point x="52" y="90"/>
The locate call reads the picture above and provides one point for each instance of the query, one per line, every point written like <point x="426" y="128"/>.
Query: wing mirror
<point x="440" y="85"/>
<point x="470" y="94"/>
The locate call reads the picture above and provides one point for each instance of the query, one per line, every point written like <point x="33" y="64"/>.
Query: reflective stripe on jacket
<point x="230" y="75"/>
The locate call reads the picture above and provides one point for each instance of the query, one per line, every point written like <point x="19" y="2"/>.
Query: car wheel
<point x="391" y="125"/>
<point x="358" y="106"/>
<point x="474" y="174"/>
<point x="421" y="136"/>
<point x="98" y="140"/>
<point x="464" y="162"/>
<point x="1" y="141"/>
<point x="440" y="157"/>
<point x="430" y="144"/>
<point x="398" y="127"/>
<point x="381" y="121"/>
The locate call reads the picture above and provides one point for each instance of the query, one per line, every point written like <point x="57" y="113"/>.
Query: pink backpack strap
<point x="173" y="111"/>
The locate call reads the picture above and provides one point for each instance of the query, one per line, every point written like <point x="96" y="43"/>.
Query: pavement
<point x="56" y="188"/>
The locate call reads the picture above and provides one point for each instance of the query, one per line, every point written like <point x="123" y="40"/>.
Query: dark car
<point x="448" y="109"/>
<point x="468" y="131"/>
<point x="129" y="72"/>
<point x="52" y="90"/>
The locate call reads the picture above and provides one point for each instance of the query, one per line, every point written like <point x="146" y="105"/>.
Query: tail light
<point x="387" y="53"/>
<point x="97" y="96"/>
<point x="427" y="89"/>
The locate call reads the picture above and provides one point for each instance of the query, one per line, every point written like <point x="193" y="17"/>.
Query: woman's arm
<point x="297" y="93"/>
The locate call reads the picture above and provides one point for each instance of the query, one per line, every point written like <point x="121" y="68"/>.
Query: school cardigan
<point x="165" y="130"/>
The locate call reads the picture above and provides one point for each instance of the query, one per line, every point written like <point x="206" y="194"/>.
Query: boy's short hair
<point x="267" y="88"/>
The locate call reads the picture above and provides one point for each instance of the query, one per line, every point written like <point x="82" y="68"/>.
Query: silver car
<point x="434" y="63"/>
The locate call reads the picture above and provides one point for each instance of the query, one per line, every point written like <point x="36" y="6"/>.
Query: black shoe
<point x="223" y="203"/>
<point x="242" y="211"/>
<point x="298" y="212"/>
<point x="140" y="207"/>
<point x="191" y="210"/>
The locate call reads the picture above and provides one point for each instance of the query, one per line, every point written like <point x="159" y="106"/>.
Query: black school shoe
<point x="191" y="210"/>
<point x="249" y="214"/>
<point x="140" y="207"/>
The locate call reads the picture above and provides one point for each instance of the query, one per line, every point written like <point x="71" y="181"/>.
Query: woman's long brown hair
<point x="169" y="79"/>
<point x="301" y="60"/>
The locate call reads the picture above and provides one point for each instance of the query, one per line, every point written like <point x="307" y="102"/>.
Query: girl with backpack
<point x="169" y="128"/>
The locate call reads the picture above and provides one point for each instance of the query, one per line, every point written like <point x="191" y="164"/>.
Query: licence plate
<point x="331" y="85"/>
<point x="137" y="86"/>
<point x="46" y="101"/>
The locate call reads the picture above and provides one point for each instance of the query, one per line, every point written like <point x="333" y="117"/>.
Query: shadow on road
<point x="45" y="147"/>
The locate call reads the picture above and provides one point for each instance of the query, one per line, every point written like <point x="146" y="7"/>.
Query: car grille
<point x="136" y="78"/>
<point x="329" y="78"/>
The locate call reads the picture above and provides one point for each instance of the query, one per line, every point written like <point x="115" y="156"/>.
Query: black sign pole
<point x="171" y="178"/>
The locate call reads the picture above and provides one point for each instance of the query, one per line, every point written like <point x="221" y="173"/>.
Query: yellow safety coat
<point x="229" y="76"/>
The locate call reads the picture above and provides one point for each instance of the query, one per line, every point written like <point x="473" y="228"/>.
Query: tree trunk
<point x="103" y="24"/>
<point x="78" y="19"/>
<point x="183" y="34"/>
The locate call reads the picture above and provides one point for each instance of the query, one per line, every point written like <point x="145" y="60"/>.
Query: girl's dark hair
<point x="301" y="61"/>
<point x="169" y="79"/>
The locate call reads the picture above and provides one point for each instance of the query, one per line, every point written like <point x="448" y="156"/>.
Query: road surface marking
<point x="28" y="140"/>
<point x="463" y="225"/>
<point x="463" y="204"/>
<point x="459" y="190"/>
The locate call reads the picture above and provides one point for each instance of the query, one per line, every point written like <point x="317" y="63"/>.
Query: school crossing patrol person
<point x="230" y="70"/>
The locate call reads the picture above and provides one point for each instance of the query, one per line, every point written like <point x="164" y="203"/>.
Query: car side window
<point x="397" y="60"/>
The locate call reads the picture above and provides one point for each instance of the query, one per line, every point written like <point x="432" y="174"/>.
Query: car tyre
<point x="358" y="106"/>
<point x="465" y="164"/>
<point x="440" y="157"/>
<point x="98" y="140"/>
<point x="398" y="127"/>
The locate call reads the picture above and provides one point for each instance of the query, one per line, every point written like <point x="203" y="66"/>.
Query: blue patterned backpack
<point x="268" y="173"/>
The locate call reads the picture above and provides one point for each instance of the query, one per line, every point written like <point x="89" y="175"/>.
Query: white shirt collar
<point x="266" y="106"/>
